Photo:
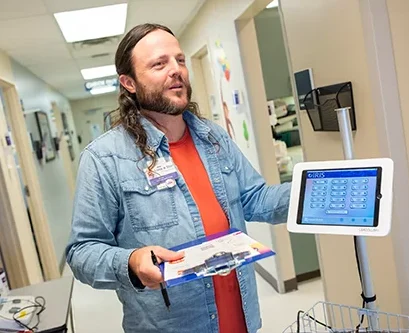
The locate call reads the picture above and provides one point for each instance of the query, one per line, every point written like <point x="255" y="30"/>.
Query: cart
<point x="334" y="318"/>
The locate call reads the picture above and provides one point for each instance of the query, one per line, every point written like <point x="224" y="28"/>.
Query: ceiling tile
<point x="140" y="11"/>
<point x="65" y="78"/>
<point x="32" y="32"/>
<point x="69" y="84"/>
<point x="56" y="72"/>
<point x="91" y="62"/>
<point x="70" y="87"/>
<point x="81" y="50"/>
<point x="31" y="36"/>
<point x="75" y="92"/>
<point x="13" y="9"/>
<point x="56" y="6"/>
<point x="51" y="53"/>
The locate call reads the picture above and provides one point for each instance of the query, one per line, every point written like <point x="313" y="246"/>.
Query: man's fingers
<point x="150" y="274"/>
<point x="153" y="280"/>
<point x="167" y="255"/>
<point x="153" y="286"/>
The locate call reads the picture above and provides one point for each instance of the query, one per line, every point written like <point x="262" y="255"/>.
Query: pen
<point x="162" y="285"/>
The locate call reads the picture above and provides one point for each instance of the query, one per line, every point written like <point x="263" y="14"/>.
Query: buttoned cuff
<point x="123" y="272"/>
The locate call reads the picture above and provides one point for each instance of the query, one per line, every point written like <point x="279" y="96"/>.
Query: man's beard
<point x="155" y="100"/>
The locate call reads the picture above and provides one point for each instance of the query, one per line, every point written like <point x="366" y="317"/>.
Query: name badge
<point x="163" y="175"/>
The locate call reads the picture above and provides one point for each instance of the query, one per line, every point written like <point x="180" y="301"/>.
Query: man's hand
<point x="140" y="262"/>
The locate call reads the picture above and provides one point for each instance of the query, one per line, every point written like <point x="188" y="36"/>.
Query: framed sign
<point x="45" y="135"/>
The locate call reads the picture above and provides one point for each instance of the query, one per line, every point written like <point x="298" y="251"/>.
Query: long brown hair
<point x="129" y="112"/>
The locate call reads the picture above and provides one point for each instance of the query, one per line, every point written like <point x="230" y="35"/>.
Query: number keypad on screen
<point x="356" y="190"/>
<point x="319" y="194"/>
<point x="359" y="193"/>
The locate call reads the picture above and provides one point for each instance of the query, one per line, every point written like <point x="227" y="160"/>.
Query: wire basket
<point x="334" y="318"/>
<point x="320" y="104"/>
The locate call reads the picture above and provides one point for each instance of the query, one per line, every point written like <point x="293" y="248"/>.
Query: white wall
<point x="36" y="94"/>
<point x="5" y="67"/>
<point x="337" y="54"/>
<point x="397" y="11"/>
<point x="90" y="111"/>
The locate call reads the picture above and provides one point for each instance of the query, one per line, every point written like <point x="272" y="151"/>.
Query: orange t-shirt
<point x="227" y="291"/>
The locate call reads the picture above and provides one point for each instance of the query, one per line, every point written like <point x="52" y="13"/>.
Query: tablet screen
<point x="344" y="197"/>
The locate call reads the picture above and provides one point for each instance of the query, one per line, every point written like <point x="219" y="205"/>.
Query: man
<point x="121" y="214"/>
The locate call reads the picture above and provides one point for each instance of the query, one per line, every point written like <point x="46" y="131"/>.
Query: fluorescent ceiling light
<point x="102" y="90"/>
<point x="92" y="23"/>
<point x="273" y="4"/>
<point x="97" y="72"/>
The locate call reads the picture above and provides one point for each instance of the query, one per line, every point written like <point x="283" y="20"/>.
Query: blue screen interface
<point x="340" y="197"/>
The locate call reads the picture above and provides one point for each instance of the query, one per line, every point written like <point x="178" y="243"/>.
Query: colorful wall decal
<point x="229" y="124"/>
<point x="246" y="133"/>
<point x="226" y="113"/>
<point x="226" y="74"/>
<point x="222" y="60"/>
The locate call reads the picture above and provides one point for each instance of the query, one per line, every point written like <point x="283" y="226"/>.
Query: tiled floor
<point x="96" y="311"/>
<point x="280" y="310"/>
<point x="91" y="307"/>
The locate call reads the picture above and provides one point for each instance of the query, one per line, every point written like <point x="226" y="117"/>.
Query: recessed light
<point x="97" y="72"/>
<point x="92" y="23"/>
<point x="273" y="4"/>
<point x="102" y="90"/>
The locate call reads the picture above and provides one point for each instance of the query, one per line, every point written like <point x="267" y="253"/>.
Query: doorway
<point x="19" y="256"/>
<point x="65" y="148"/>
<point x="264" y="58"/>
<point x="205" y="85"/>
<point x="281" y="106"/>
<point x="28" y="252"/>
<point x="284" y="125"/>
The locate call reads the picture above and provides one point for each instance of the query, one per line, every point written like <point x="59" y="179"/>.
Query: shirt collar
<point x="155" y="137"/>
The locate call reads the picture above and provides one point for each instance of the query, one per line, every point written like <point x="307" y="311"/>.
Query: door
<point x="14" y="117"/>
<point x="20" y="256"/>
<point x="209" y="83"/>
<point x="205" y="88"/>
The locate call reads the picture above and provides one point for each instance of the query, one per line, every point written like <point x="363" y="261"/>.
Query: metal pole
<point x="344" y="123"/>
<point x="367" y="285"/>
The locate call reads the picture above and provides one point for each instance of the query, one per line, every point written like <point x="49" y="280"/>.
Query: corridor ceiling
<point x="29" y="33"/>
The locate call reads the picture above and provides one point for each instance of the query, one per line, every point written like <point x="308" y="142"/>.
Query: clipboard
<point x="218" y="254"/>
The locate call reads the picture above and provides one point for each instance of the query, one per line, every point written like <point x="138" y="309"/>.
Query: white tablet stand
<point x="295" y="225"/>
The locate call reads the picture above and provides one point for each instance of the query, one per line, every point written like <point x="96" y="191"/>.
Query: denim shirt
<point x="116" y="211"/>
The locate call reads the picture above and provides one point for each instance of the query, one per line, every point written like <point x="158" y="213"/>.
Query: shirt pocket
<point x="149" y="208"/>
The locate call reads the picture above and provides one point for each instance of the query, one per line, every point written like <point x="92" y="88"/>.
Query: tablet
<point x="352" y="197"/>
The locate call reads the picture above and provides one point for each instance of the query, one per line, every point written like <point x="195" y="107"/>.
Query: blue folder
<point x="194" y="276"/>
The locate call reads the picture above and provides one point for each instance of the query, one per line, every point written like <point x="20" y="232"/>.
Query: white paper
<point x="196" y="255"/>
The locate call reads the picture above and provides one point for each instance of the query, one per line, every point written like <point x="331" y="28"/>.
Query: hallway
<point x="91" y="306"/>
